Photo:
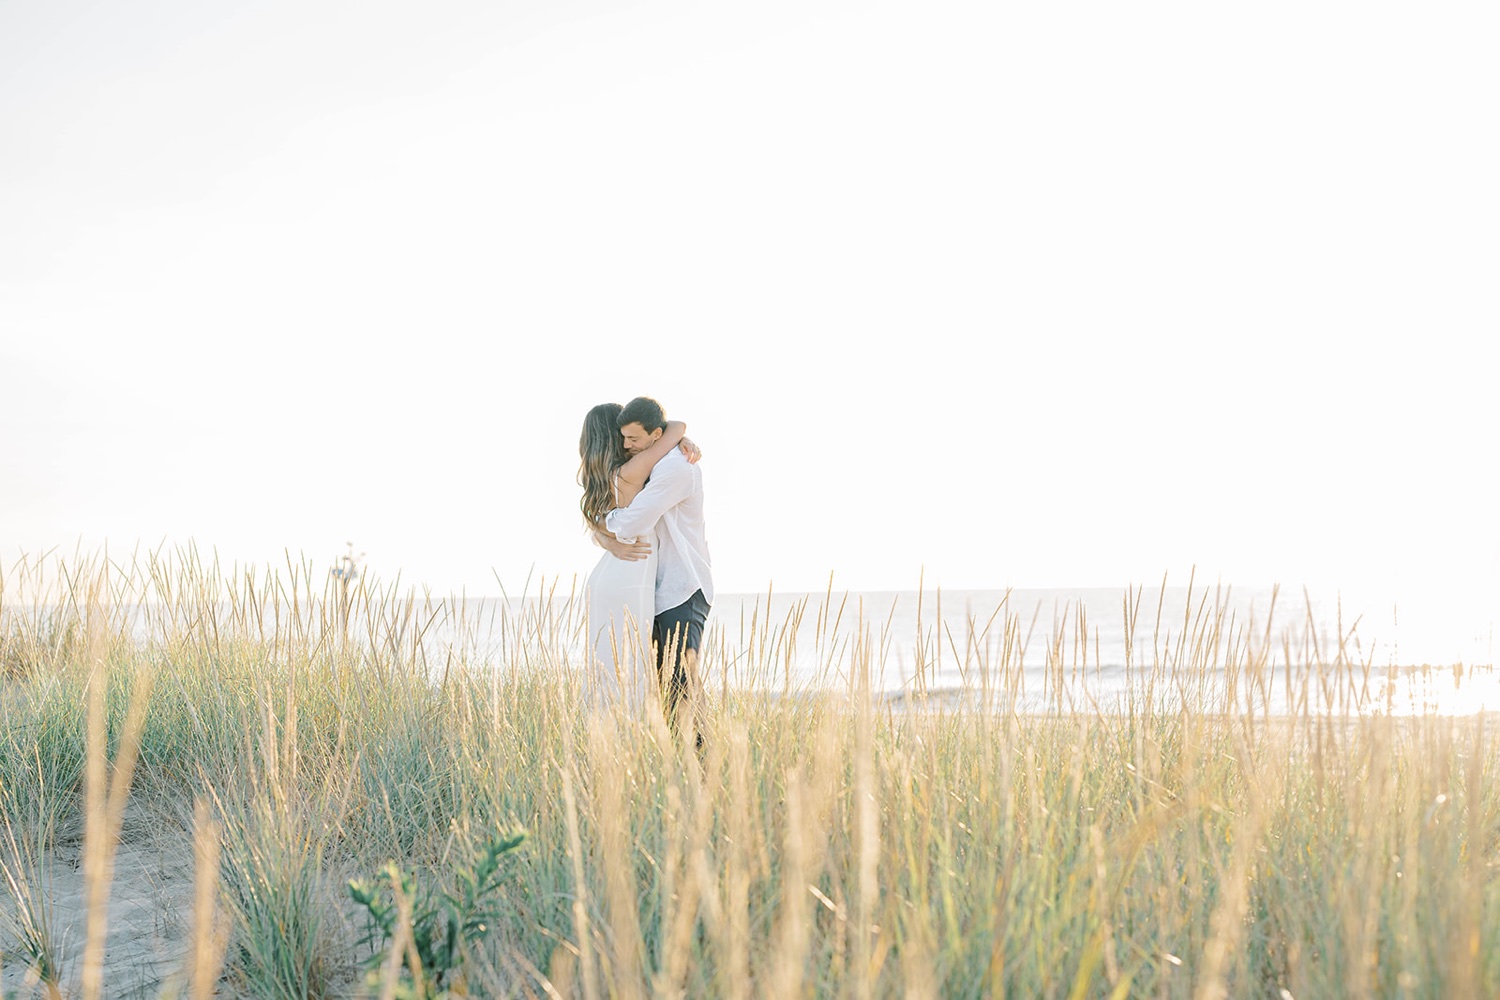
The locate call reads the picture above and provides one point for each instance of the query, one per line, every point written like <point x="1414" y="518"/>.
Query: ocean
<point x="1035" y="649"/>
<point x="1081" y="647"/>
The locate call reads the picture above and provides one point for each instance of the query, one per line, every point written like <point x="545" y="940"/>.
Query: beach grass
<point x="195" y="761"/>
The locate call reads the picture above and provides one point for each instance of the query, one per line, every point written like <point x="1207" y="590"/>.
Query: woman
<point x="621" y="593"/>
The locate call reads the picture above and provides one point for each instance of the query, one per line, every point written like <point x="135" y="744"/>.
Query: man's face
<point x="636" y="438"/>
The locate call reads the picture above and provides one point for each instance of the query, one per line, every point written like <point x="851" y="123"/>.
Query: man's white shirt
<point x="672" y="505"/>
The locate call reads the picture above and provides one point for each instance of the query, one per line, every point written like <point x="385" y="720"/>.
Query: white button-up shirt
<point x="672" y="504"/>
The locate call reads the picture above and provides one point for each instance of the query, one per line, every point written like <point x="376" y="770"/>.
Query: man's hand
<point x="690" y="450"/>
<point x="629" y="551"/>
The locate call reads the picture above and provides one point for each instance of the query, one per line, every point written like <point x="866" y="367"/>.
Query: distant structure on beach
<point x="346" y="572"/>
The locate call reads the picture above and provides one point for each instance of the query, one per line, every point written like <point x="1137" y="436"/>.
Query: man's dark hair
<point x="645" y="411"/>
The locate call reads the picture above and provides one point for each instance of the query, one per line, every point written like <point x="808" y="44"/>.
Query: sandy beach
<point x="149" y="913"/>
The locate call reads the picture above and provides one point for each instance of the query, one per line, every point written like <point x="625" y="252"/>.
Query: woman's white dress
<point x="621" y="606"/>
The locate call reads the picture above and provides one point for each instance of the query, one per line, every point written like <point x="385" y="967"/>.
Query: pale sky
<point x="1032" y="294"/>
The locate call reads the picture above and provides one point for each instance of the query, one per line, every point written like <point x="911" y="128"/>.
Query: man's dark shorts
<point x="678" y="629"/>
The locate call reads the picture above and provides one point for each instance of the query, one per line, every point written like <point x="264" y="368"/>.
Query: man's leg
<point x="678" y="635"/>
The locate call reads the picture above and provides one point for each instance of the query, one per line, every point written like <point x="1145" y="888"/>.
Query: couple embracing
<point x="649" y="595"/>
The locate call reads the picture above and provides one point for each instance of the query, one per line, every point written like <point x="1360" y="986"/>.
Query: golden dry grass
<point x="1241" y="825"/>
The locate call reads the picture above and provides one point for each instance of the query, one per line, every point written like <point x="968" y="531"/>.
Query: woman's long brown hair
<point x="600" y="454"/>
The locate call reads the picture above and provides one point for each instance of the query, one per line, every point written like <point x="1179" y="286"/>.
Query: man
<point x="671" y="504"/>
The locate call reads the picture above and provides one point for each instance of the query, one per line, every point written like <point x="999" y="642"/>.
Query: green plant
<point x="423" y="938"/>
<point x="271" y="874"/>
